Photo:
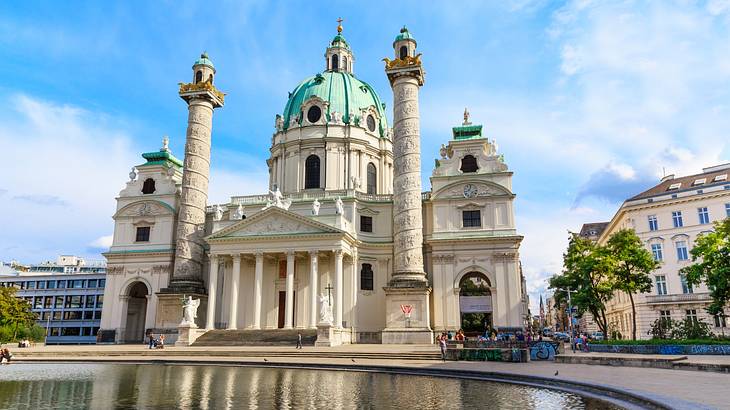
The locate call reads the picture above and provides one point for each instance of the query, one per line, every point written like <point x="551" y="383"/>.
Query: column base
<point x="187" y="334"/>
<point x="400" y="327"/>
<point x="170" y="310"/>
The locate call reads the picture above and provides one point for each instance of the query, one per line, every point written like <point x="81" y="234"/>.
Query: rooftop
<point x="710" y="176"/>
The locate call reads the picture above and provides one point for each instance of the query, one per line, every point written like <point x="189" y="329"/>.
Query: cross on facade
<point x="329" y="294"/>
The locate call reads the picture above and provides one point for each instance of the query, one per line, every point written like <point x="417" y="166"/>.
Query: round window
<point x="314" y="114"/>
<point x="371" y="123"/>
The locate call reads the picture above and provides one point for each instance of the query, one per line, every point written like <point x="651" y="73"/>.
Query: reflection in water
<point x="63" y="386"/>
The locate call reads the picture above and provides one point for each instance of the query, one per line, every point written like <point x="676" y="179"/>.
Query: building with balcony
<point x="67" y="295"/>
<point x="668" y="217"/>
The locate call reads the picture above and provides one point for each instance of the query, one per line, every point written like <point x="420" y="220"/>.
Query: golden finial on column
<point x="339" y="25"/>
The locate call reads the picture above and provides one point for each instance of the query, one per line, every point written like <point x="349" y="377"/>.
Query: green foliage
<point x="711" y="257"/>
<point x="587" y="270"/>
<point x="661" y="328"/>
<point x="14" y="312"/>
<point x="34" y="333"/>
<point x="690" y="329"/>
<point x="717" y="341"/>
<point x="632" y="266"/>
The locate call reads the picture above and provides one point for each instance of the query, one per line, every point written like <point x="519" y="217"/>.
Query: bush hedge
<point x="716" y="341"/>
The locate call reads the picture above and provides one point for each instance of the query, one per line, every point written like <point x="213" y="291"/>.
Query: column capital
<point x="259" y="255"/>
<point x="290" y="252"/>
<point x="313" y="253"/>
<point x="338" y="252"/>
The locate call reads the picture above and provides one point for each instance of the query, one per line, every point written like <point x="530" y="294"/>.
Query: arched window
<point x="335" y="62"/>
<point x="403" y="52"/>
<point x="344" y="63"/>
<point x="149" y="186"/>
<point x="372" y="178"/>
<point x="198" y="76"/>
<point x="475" y="302"/>
<point x="366" y="277"/>
<point x="469" y="164"/>
<point x="210" y="78"/>
<point x="311" y="172"/>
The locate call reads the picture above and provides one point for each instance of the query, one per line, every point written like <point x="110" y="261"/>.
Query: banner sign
<point x="475" y="304"/>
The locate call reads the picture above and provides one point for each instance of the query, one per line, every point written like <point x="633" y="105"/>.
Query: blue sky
<point x="587" y="100"/>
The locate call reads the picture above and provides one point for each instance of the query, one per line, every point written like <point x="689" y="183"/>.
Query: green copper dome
<point x="204" y="60"/>
<point x="339" y="41"/>
<point x="345" y="94"/>
<point x="404" y="35"/>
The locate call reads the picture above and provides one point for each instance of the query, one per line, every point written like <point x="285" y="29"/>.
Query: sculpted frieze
<point x="275" y="226"/>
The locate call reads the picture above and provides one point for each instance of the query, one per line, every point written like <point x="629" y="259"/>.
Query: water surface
<point x="129" y="386"/>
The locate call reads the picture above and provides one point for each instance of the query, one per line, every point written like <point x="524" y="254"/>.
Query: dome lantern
<point x="404" y="44"/>
<point x="203" y="69"/>
<point x="338" y="56"/>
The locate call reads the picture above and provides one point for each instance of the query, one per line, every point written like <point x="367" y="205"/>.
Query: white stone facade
<point x="270" y="257"/>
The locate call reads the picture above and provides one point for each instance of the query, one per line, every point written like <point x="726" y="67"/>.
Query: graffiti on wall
<point x="543" y="350"/>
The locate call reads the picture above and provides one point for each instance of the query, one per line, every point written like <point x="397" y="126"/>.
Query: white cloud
<point x="102" y="242"/>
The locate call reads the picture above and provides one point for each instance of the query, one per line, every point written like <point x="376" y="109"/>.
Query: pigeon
<point x="265" y="359"/>
<point x="556" y="372"/>
<point x="353" y="360"/>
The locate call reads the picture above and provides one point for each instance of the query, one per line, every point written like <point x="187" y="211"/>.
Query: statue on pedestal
<point x="315" y="207"/>
<point x="325" y="310"/>
<point x="339" y="206"/>
<point x="190" y="311"/>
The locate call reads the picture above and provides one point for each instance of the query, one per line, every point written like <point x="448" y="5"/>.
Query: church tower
<point x="202" y="98"/>
<point x="339" y="56"/>
<point x="407" y="294"/>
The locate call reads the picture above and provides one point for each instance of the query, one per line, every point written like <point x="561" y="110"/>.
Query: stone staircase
<point x="266" y="337"/>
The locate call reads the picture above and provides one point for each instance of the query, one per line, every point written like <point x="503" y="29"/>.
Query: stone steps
<point x="266" y="337"/>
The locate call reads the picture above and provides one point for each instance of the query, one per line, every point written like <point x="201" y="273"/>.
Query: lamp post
<point x="570" y="318"/>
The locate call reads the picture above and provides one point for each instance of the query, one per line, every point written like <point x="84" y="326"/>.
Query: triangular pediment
<point x="274" y="222"/>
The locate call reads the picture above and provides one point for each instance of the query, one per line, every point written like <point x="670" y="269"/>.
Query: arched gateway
<point x="475" y="303"/>
<point x="134" y="323"/>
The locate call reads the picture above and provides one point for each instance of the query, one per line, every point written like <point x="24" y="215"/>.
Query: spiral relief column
<point x="187" y="276"/>
<point x="407" y="294"/>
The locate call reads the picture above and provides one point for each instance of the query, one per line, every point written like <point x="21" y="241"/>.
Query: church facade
<point x="345" y="230"/>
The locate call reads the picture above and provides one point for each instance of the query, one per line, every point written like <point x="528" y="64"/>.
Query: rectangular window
<point x="70" y="331"/>
<point x="720" y="321"/>
<point x="366" y="277"/>
<point x="91" y="283"/>
<point x="703" y="215"/>
<point x="72" y="315"/>
<point x="97" y="314"/>
<point x="665" y="316"/>
<point x="686" y="287"/>
<point x="38" y="303"/>
<point x="89" y="315"/>
<point x="45" y="315"/>
<point x="677" y="219"/>
<point x="30" y="285"/>
<point x="74" y="301"/>
<point x="682" y="253"/>
<point x="102" y="282"/>
<point x="661" y="285"/>
<point x="99" y="301"/>
<point x="57" y="315"/>
<point x="51" y="284"/>
<point x="62" y="284"/>
<point x="366" y="223"/>
<point x="59" y="302"/>
<point x="48" y="302"/>
<point x="471" y="219"/>
<point x="691" y="314"/>
<point x="653" y="223"/>
<point x="656" y="251"/>
<point x="90" y="301"/>
<point x="143" y="234"/>
<point x="41" y="284"/>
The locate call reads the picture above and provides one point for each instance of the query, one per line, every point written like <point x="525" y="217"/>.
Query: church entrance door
<point x="282" y="309"/>
<point x="475" y="304"/>
<point x="136" y="313"/>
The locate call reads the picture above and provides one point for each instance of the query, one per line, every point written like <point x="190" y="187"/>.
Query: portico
<point x="258" y="280"/>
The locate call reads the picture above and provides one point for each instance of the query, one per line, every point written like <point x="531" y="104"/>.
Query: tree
<point x="711" y="264"/>
<point x="587" y="272"/>
<point x="14" y="311"/>
<point x="633" y="264"/>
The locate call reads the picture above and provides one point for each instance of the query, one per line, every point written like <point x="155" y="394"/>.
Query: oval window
<point x="371" y="123"/>
<point x="314" y="114"/>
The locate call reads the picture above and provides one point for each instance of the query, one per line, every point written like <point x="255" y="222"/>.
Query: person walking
<point x="442" y="345"/>
<point x="152" y="340"/>
<point x="299" y="340"/>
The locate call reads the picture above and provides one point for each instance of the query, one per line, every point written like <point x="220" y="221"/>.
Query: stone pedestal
<point x="329" y="336"/>
<point x="187" y="334"/>
<point x="170" y="310"/>
<point x="399" y="329"/>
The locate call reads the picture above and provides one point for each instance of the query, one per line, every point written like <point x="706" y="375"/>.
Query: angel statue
<point x="339" y="206"/>
<point x="190" y="311"/>
<point x="315" y="207"/>
<point x="218" y="213"/>
<point x="325" y="310"/>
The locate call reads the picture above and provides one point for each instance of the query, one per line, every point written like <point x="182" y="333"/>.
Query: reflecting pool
<point x="101" y="386"/>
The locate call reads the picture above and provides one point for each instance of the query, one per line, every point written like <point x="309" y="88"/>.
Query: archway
<point x="475" y="303"/>
<point x="136" y="313"/>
